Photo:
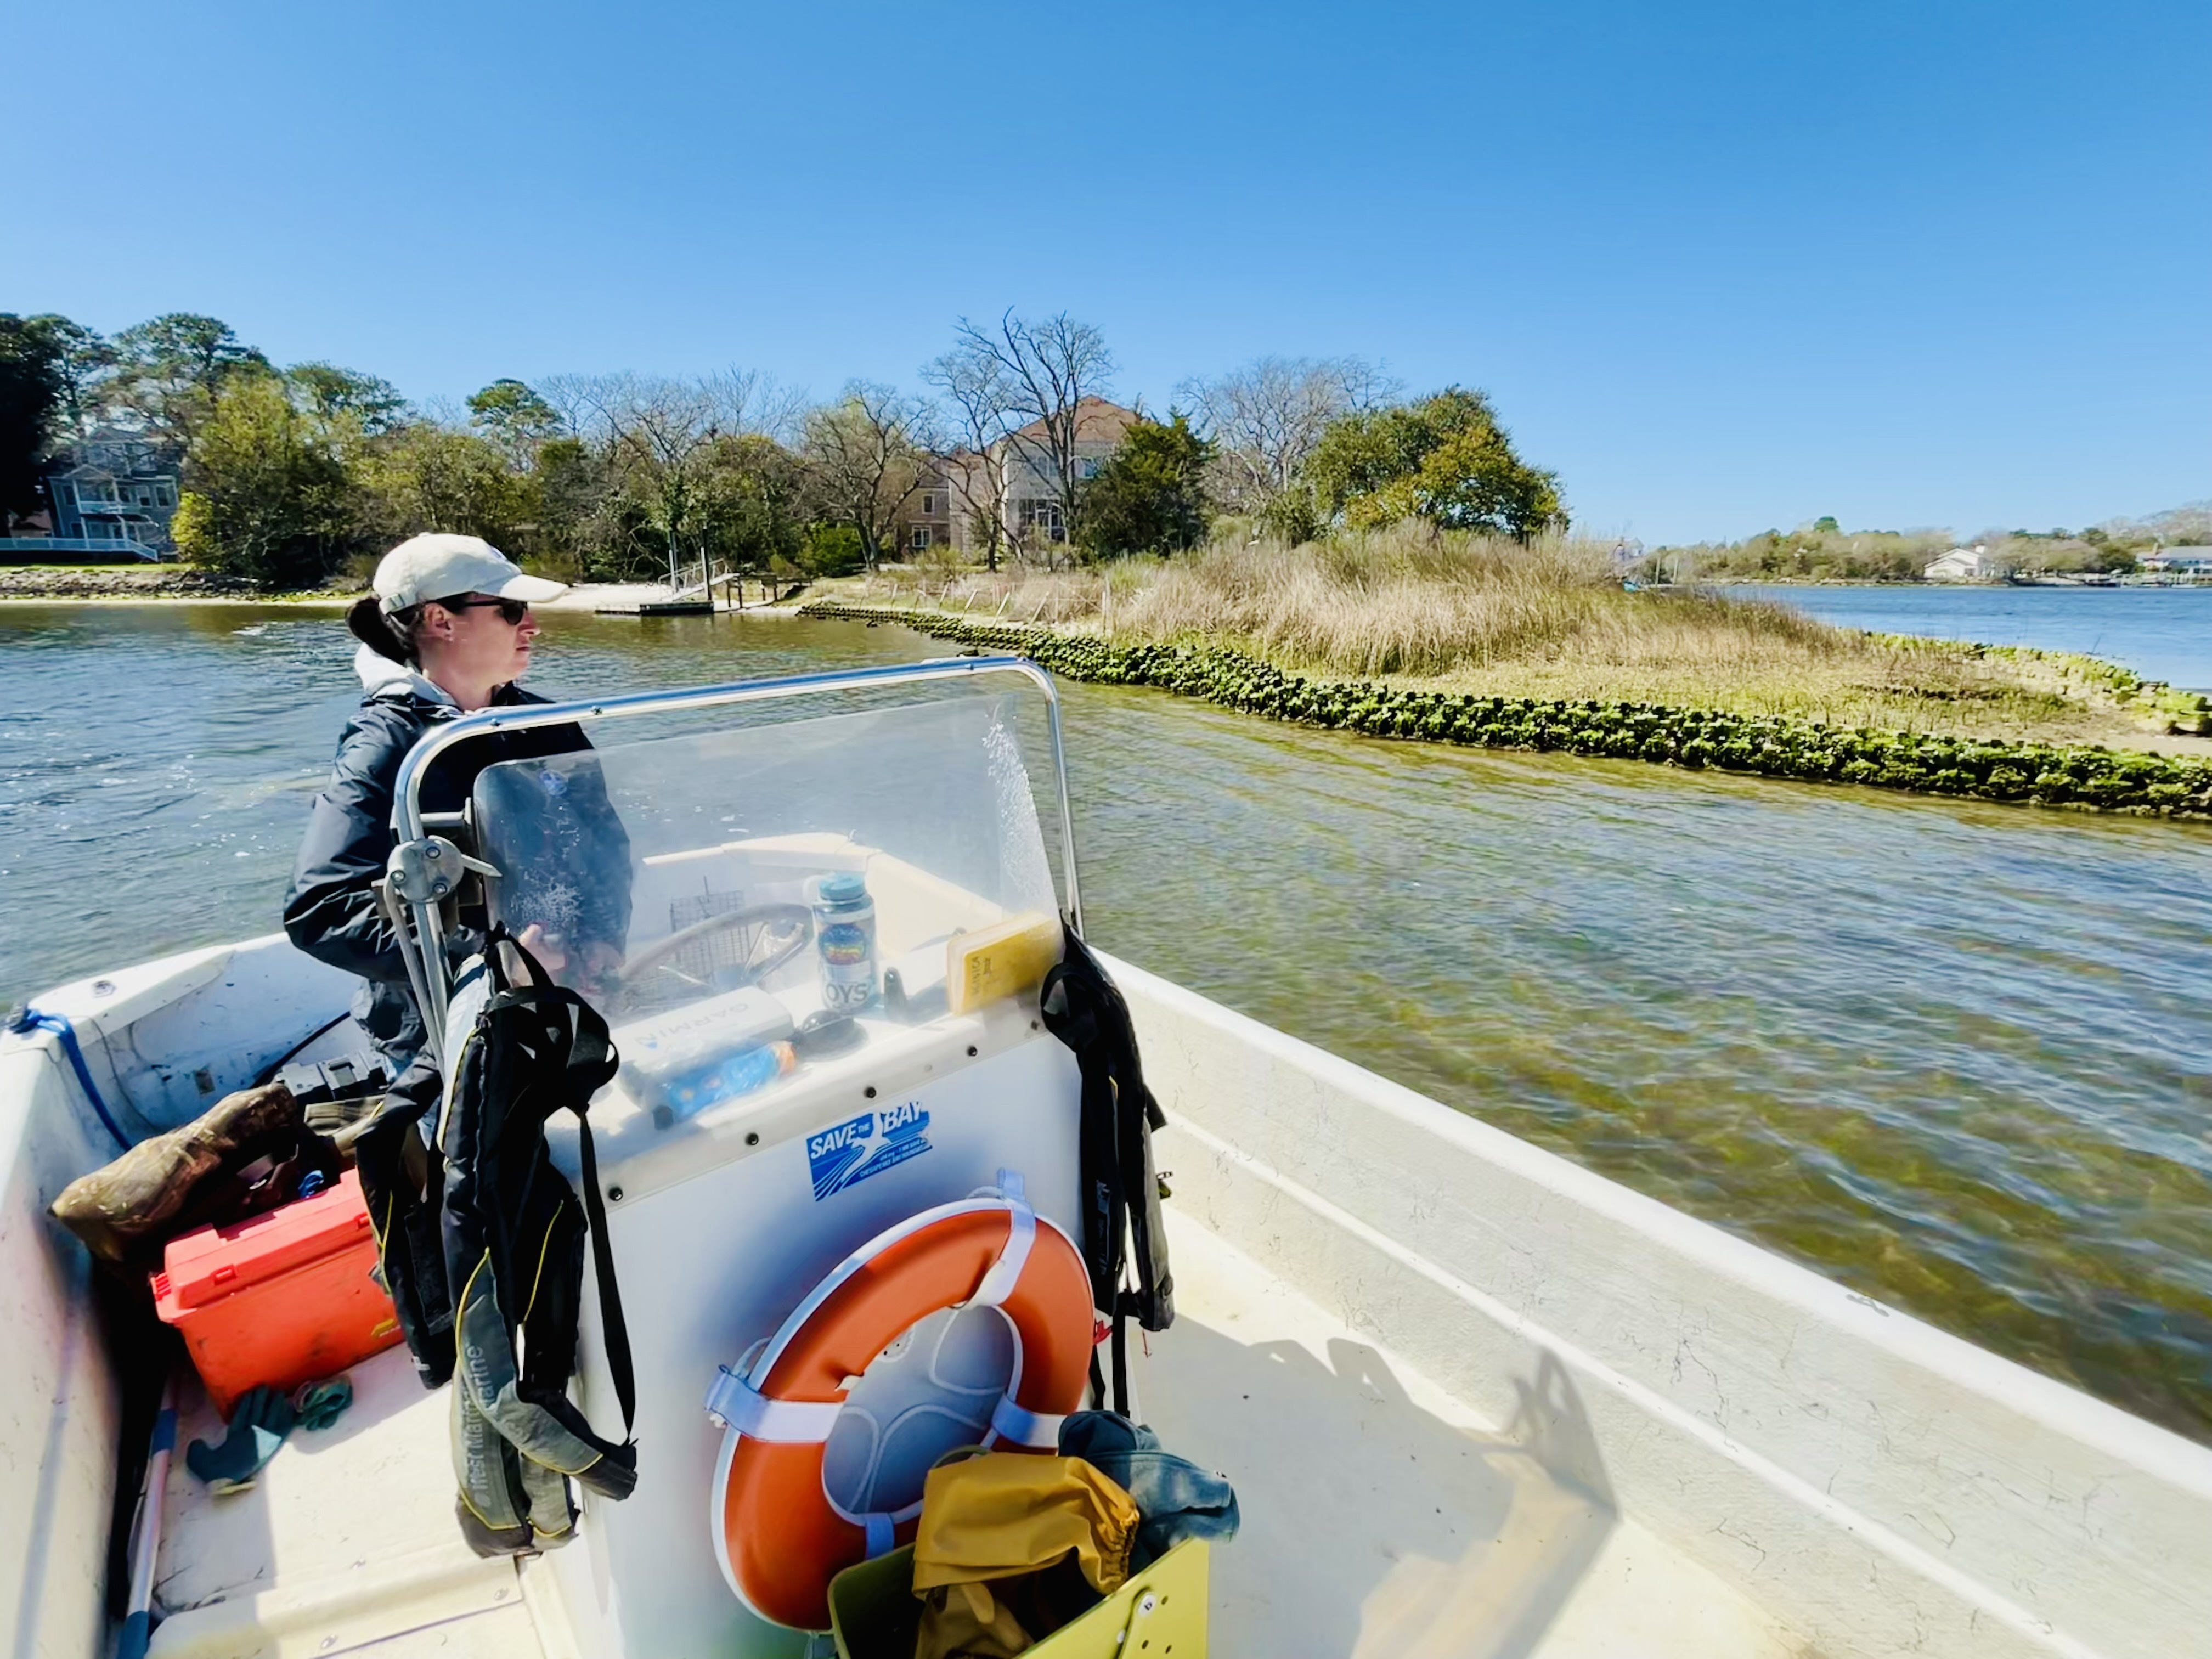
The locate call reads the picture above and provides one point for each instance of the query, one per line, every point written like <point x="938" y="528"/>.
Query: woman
<point x="447" y="630"/>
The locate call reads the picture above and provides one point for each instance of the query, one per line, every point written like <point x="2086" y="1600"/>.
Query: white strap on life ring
<point x="1038" y="1431"/>
<point x="1014" y="1254"/>
<point x="733" y="1401"/>
<point x="736" y="1402"/>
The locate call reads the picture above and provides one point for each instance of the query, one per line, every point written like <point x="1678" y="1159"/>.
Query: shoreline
<point x="2137" y="783"/>
<point x="172" y="587"/>
<point x="2176" y="746"/>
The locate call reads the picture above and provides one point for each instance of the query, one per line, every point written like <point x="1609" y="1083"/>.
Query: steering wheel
<point x="769" y="935"/>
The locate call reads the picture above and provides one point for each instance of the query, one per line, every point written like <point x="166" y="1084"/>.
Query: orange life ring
<point x="777" y="1535"/>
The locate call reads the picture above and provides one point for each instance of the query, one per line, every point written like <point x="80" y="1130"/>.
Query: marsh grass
<point x="1450" y="612"/>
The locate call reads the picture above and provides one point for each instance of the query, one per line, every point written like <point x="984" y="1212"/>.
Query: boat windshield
<point x="824" y="861"/>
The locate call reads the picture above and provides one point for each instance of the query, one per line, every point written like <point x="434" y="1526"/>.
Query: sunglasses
<point x="510" y="612"/>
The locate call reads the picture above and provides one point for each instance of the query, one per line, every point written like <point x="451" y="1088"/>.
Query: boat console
<point x="801" y="900"/>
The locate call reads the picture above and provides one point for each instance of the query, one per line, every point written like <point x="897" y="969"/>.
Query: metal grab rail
<point x="425" y="951"/>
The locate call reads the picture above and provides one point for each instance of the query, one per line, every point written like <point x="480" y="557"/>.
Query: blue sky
<point x="1722" y="265"/>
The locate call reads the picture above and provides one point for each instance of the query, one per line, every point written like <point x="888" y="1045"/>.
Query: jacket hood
<point x="385" y="678"/>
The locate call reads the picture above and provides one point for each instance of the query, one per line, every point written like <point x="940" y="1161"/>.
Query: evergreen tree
<point x="1150" y="496"/>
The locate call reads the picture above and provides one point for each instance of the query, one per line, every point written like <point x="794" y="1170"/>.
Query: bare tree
<point x="981" y="397"/>
<point x="1267" y="416"/>
<point x="869" y="451"/>
<point x="658" y="433"/>
<point x="1050" y="368"/>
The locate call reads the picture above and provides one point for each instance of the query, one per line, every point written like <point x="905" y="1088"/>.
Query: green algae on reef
<point x="2031" y="773"/>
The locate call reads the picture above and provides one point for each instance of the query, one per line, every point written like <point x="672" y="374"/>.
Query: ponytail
<point x="390" y="636"/>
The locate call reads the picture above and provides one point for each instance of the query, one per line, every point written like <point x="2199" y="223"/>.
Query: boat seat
<point x="346" y="1543"/>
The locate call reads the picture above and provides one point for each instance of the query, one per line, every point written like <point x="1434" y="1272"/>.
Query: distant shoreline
<point x="2137" y="586"/>
<point x="128" y="585"/>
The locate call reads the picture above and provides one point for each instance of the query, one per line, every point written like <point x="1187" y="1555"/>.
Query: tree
<point x="1268" y="416"/>
<point x="515" y="418"/>
<point x="271" y="498"/>
<point x="334" y="394"/>
<point x="1444" y="459"/>
<point x="426" y="475"/>
<point x="753" y="510"/>
<point x="1150" y="496"/>
<point x="981" y="394"/>
<point x="869" y="453"/>
<point x="169" y="372"/>
<point x="84" y="364"/>
<point x="657" y="433"/>
<point x="30" y="395"/>
<point x="586" y="520"/>
<point x="1050" y="368"/>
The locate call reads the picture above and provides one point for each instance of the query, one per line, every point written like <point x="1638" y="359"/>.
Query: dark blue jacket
<point x="330" y="912"/>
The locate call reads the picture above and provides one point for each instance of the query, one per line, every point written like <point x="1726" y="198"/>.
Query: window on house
<point x="920" y="539"/>
<point x="165" y="494"/>
<point x="929" y="503"/>
<point x="1041" y="513"/>
<point x="1087" y="467"/>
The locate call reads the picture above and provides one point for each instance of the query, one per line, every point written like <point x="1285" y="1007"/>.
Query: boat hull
<point x="1477" y="1400"/>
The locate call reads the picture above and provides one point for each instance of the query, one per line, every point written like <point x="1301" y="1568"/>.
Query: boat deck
<point x="1380" y="1518"/>
<point x="1476" y="1401"/>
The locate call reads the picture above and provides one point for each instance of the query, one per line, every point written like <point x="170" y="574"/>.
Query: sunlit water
<point x="1956" y="1055"/>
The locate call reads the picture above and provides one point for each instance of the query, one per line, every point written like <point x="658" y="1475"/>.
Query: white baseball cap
<point x="437" y="565"/>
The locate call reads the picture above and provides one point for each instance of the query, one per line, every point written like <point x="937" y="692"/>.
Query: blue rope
<point x="31" y="1019"/>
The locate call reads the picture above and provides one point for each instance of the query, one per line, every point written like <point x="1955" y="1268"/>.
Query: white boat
<point x="1475" y="1400"/>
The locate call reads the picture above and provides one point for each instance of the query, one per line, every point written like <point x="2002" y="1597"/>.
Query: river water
<point x="1956" y="1055"/>
<point x="2162" y="632"/>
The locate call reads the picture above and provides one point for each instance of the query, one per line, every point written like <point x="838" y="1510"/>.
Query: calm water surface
<point x="2162" y="632"/>
<point x="1956" y="1055"/>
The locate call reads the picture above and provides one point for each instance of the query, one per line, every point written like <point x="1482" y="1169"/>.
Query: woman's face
<point x="474" y="643"/>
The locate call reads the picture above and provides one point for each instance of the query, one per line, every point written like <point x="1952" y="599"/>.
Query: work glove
<point x="258" y="1423"/>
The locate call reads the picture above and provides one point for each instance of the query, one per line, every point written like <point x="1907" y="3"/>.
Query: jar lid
<point x="844" y="888"/>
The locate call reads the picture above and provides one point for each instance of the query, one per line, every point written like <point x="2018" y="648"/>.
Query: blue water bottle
<point x="726" y="1079"/>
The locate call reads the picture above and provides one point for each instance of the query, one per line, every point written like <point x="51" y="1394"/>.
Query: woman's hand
<point x="602" y="964"/>
<point x="595" y="966"/>
<point x="546" y="948"/>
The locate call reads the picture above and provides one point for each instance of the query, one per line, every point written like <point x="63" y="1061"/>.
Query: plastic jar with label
<point x="845" y="941"/>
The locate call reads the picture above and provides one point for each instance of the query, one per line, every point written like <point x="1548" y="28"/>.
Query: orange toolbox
<point x="284" y="1298"/>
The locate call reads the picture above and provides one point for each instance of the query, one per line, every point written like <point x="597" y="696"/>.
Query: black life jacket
<point x="480" y="1239"/>
<point x="515" y="1255"/>
<point x="1120" y="1193"/>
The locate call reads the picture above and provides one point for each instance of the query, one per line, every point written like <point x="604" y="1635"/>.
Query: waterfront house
<point x="115" y="488"/>
<point x="1963" y="564"/>
<point x="2180" y="561"/>
<point x="1020" y="473"/>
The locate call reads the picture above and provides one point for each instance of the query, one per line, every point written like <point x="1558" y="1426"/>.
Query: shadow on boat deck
<point x="1372" y="1526"/>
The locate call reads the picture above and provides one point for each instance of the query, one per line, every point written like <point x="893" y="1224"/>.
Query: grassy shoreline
<point x="2078" y="778"/>
<point x="1440" y="612"/>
